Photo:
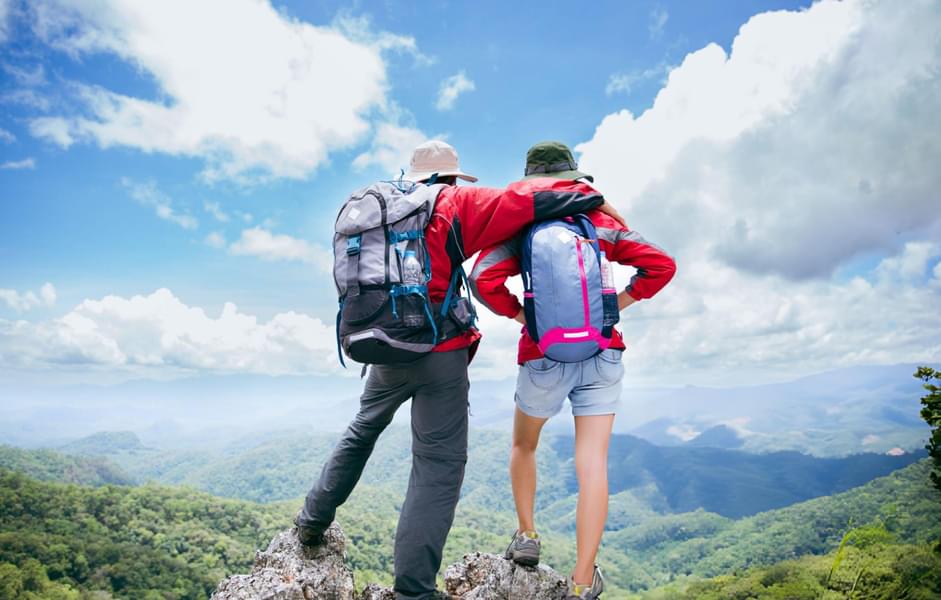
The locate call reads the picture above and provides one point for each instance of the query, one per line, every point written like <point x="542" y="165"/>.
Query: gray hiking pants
<point x="438" y="386"/>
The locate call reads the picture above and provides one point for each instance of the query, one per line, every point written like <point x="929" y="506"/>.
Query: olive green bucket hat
<point x="552" y="159"/>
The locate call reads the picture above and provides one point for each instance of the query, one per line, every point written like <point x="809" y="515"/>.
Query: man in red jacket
<point x="593" y="386"/>
<point x="465" y="220"/>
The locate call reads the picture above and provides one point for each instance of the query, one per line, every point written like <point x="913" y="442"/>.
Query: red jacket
<point x="654" y="267"/>
<point x="468" y="219"/>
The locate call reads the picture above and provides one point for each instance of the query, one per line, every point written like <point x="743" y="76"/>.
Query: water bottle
<point x="607" y="274"/>
<point x="412" y="275"/>
<point x="609" y="295"/>
<point x="411" y="269"/>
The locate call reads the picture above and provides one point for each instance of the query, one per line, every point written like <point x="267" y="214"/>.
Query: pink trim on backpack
<point x="560" y="335"/>
<point x="584" y="279"/>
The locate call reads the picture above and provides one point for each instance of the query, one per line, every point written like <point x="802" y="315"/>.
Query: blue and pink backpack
<point x="570" y="314"/>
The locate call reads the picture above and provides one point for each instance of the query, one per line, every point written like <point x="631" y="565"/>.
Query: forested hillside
<point x="157" y="541"/>
<point x="47" y="465"/>
<point x="648" y="478"/>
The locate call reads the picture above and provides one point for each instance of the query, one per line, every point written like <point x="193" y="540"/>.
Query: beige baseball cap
<point x="433" y="157"/>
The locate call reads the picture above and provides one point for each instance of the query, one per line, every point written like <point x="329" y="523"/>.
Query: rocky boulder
<point x="287" y="570"/>
<point x="491" y="577"/>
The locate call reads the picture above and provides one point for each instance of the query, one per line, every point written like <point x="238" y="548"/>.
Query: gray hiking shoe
<point x="524" y="548"/>
<point x="586" y="592"/>
<point x="307" y="535"/>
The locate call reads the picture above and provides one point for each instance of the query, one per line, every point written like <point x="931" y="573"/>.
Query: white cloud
<point x="48" y="294"/>
<point x="391" y="149"/>
<point x="26" y="97"/>
<point x="657" y="20"/>
<point x="215" y="209"/>
<point x="275" y="107"/>
<point x="147" y="194"/>
<point x="451" y="88"/>
<point x="265" y="245"/>
<point x="775" y="174"/>
<point x="360" y="30"/>
<point x="625" y="82"/>
<point x="26" y="163"/>
<point x="29" y="77"/>
<point x="53" y="129"/>
<point x="160" y="335"/>
<point x="24" y="301"/>
<point x="6" y="136"/>
<point x="215" y="239"/>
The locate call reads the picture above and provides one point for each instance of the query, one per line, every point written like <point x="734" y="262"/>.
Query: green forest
<point x="107" y="517"/>
<point x="63" y="540"/>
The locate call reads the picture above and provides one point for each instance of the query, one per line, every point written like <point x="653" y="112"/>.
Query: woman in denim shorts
<point x="592" y="386"/>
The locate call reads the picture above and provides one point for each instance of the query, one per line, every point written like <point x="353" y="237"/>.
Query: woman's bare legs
<point x="526" y="431"/>
<point x="592" y="434"/>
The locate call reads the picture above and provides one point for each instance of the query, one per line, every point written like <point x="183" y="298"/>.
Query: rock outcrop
<point x="287" y="570"/>
<point x="491" y="577"/>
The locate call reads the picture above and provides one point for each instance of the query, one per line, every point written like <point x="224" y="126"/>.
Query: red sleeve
<point x="655" y="268"/>
<point x="491" y="216"/>
<point x="488" y="279"/>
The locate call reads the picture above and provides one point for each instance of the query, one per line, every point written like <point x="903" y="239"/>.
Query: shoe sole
<point x="527" y="560"/>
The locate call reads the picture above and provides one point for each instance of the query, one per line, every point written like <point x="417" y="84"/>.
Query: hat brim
<point x="573" y="174"/>
<point x="423" y="175"/>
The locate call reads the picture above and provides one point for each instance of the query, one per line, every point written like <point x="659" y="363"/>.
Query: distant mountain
<point x="731" y="483"/>
<point x="48" y="465"/>
<point x="840" y="412"/>
<point x="720" y="436"/>
<point x="836" y="413"/>
<point x="675" y="479"/>
<point x="105" y="443"/>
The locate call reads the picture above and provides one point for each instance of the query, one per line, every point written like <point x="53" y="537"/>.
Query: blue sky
<point x="102" y="207"/>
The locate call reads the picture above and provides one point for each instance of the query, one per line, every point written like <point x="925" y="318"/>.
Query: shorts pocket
<point x="609" y="367"/>
<point x="544" y="373"/>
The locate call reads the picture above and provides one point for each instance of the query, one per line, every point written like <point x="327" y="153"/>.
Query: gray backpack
<point x="386" y="315"/>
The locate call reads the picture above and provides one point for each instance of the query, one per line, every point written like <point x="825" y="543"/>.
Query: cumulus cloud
<point x="451" y="88"/>
<point x="777" y="174"/>
<point x="16" y="165"/>
<point x="24" y="301"/>
<point x="159" y="334"/>
<point x="275" y="107"/>
<point x="148" y="194"/>
<point x="263" y="244"/>
<point x="391" y="148"/>
<point x="6" y="136"/>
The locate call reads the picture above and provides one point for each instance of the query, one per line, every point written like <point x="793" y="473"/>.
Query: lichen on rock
<point x="287" y="570"/>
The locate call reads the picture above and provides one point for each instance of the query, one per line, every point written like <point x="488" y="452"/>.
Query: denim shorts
<point x="593" y="386"/>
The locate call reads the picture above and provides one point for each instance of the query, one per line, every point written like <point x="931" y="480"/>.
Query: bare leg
<point x="523" y="466"/>
<point x="592" y="434"/>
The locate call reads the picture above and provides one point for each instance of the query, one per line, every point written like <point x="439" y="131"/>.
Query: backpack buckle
<point x="353" y="245"/>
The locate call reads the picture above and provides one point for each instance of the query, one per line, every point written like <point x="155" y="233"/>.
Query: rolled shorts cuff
<point x="594" y="410"/>
<point x="538" y="413"/>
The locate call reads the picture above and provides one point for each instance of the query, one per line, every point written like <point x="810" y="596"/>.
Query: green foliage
<point x="130" y="542"/>
<point x="931" y="413"/>
<point x="893" y="572"/>
<point x="47" y="465"/>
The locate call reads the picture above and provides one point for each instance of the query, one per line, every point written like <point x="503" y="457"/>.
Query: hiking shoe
<point x="308" y="536"/>
<point x="524" y="548"/>
<point x="586" y="592"/>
